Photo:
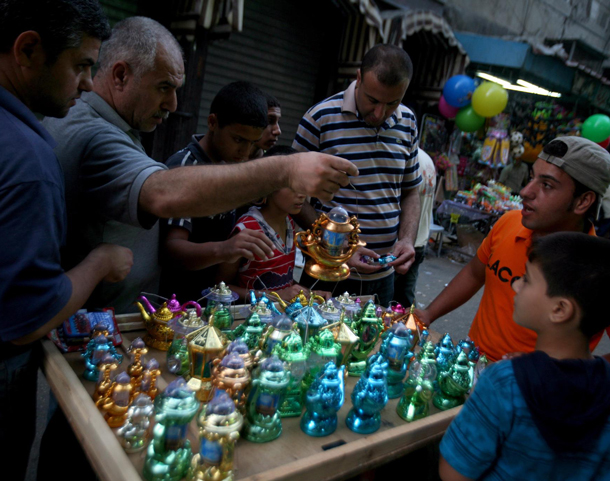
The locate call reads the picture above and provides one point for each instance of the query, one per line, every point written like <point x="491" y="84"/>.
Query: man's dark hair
<point x="575" y="265"/>
<point x="240" y="103"/>
<point x="390" y="63"/>
<point x="280" y="150"/>
<point x="61" y="24"/>
<point x="558" y="149"/>
<point x="272" y="102"/>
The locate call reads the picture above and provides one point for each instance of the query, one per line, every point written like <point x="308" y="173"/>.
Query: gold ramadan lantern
<point x="330" y="243"/>
<point x="205" y="345"/>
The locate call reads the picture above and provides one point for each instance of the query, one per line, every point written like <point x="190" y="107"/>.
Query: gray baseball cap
<point x="584" y="161"/>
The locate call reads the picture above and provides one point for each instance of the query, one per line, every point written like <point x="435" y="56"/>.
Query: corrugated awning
<point x="445" y="56"/>
<point x="222" y="15"/>
<point x="399" y="25"/>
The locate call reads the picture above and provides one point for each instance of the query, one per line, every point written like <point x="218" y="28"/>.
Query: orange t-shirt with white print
<point x="504" y="254"/>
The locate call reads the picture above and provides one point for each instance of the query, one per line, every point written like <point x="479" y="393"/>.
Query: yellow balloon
<point x="489" y="99"/>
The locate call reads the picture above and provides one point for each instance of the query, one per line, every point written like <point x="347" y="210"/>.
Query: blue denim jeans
<point x="18" y="379"/>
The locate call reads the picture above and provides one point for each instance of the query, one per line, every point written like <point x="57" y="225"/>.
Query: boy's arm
<point x="463" y="286"/>
<point x="194" y="256"/>
<point x="447" y="473"/>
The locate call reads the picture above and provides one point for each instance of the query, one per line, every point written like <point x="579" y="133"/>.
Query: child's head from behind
<point x="566" y="280"/>
<point x="286" y="199"/>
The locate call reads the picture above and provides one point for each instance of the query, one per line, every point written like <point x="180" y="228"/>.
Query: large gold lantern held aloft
<point x="330" y="243"/>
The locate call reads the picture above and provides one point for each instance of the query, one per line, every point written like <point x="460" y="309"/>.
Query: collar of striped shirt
<point x="349" y="103"/>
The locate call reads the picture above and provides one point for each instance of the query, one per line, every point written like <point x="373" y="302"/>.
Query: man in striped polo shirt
<point x="368" y="125"/>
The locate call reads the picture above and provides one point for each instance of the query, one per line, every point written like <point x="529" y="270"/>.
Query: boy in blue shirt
<point x="544" y="414"/>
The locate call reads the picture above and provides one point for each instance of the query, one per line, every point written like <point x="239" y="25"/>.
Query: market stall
<point x="293" y="456"/>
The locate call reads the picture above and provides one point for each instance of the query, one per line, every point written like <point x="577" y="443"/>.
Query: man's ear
<point x="582" y="203"/>
<point x="564" y="310"/>
<point x="358" y="78"/>
<point x="121" y="75"/>
<point x="28" y="51"/>
<point x="212" y="122"/>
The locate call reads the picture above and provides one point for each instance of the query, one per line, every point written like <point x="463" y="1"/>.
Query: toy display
<point x="251" y="331"/>
<point x="494" y="198"/>
<point x="323" y="349"/>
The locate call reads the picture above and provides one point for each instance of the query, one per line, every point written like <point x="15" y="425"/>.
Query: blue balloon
<point x="458" y="90"/>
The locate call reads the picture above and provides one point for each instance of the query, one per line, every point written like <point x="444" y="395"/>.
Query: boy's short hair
<point x="240" y="103"/>
<point x="61" y="24"/>
<point x="576" y="265"/>
<point x="272" y="102"/>
<point x="280" y="150"/>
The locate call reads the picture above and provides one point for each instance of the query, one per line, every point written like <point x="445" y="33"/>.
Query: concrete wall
<point x="586" y="20"/>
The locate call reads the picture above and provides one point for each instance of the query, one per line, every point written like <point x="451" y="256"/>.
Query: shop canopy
<point x="537" y="64"/>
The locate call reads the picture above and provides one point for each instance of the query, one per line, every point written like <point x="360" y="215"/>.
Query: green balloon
<point x="467" y="120"/>
<point x="596" y="128"/>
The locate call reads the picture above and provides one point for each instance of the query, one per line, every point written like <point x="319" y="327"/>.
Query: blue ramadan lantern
<point x="396" y="349"/>
<point x="369" y="397"/>
<point x="323" y="400"/>
<point x="445" y="354"/>
<point x="96" y="349"/>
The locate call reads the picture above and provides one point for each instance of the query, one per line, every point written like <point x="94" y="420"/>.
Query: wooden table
<point x="294" y="455"/>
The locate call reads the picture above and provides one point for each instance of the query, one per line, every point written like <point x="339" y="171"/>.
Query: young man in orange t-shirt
<point x="568" y="180"/>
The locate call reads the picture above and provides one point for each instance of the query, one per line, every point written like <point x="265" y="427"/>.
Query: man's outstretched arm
<point x="200" y="191"/>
